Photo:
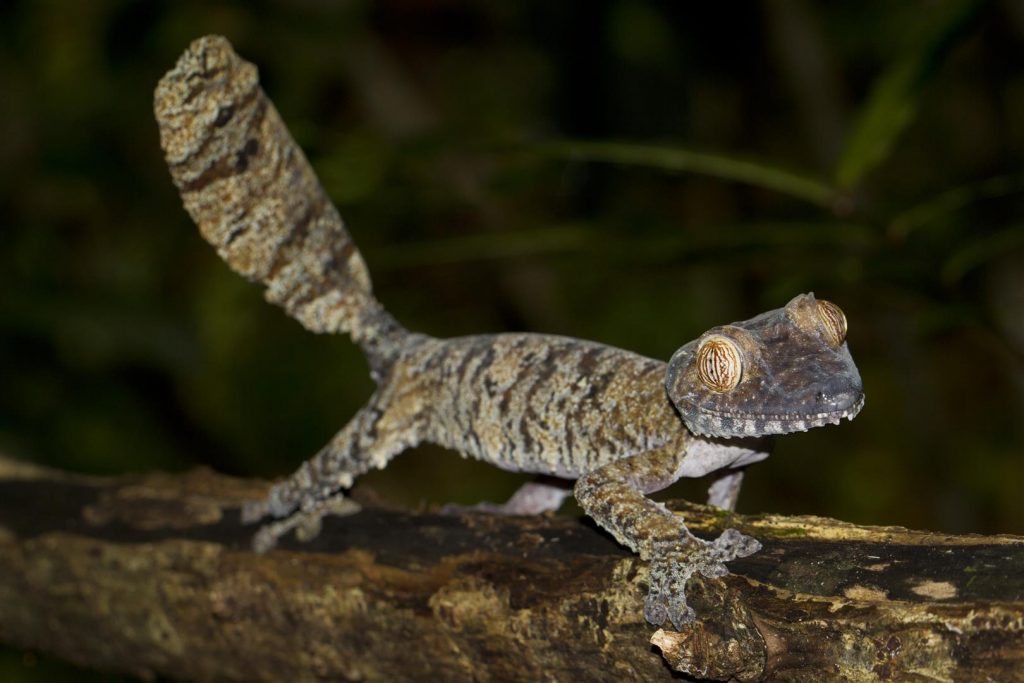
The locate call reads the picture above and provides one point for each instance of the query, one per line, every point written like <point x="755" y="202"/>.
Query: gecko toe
<point x="681" y="615"/>
<point x="254" y="511"/>
<point x="714" y="570"/>
<point x="655" y="610"/>
<point x="264" y="540"/>
<point x="732" y="544"/>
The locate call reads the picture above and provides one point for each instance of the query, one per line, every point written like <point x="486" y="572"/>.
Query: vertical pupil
<point x="721" y="364"/>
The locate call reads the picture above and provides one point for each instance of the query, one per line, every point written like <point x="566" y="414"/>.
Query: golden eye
<point x="833" y="322"/>
<point x="718" y="363"/>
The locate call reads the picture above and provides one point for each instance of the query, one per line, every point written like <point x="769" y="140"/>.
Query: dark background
<point x="870" y="152"/>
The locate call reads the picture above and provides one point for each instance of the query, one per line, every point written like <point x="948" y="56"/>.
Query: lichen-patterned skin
<point x="620" y="424"/>
<point x="256" y="199"/>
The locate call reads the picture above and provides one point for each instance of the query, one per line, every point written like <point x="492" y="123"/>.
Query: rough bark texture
<point x="153" y="575"/>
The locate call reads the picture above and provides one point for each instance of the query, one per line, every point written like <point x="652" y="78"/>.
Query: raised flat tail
<point x="256" y="199"/>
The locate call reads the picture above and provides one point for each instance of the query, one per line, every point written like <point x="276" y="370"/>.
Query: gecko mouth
<point x="711" y="422"/>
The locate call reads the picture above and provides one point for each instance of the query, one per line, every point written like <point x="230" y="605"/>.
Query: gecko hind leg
<point x="370" y="440"/>
<point x="725" y="490"/>
<point x="546" y="494"/>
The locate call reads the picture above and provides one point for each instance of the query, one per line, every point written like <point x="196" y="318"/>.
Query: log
<point x="152" y="575"/>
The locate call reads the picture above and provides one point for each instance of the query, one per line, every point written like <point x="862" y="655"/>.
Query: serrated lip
<point x="779" y="424"/>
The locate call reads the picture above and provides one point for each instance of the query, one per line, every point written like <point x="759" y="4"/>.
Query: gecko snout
<point x="839" y="394"/>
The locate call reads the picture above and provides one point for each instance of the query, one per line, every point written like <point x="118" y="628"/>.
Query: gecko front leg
<point x="614" y="496"/>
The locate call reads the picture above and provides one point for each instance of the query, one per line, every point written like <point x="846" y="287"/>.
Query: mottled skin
<point x="620" y="424"/>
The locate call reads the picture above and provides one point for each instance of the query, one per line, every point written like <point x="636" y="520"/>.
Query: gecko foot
<point x="306" y="523"/>
<point x="675" y="562"/>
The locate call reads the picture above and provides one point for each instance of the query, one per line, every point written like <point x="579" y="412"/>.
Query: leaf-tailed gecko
<point x="620" y="424"/>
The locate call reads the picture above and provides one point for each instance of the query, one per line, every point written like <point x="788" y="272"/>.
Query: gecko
<point x="619" y="424"/>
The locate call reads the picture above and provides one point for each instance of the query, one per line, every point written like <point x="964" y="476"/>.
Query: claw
<point x="254" y="511"/>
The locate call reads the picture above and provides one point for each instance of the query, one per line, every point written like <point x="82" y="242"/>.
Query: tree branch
<point x="153" y="575"/>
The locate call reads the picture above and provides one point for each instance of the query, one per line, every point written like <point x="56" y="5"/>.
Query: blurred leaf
<point x="892" y="104"/>
<point x="724" y="240"/>
<point x="981" y="251"/>
<point x="953" y="200"/>
<point x="91" y="332"/>
<point x="766" y="236"/>
<point x="353" y="167"/>
<point x="680" y="159"/>
<point x="482" y="246"/>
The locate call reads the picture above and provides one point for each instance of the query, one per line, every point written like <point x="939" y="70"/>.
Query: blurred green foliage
<point x="626" y="171"/>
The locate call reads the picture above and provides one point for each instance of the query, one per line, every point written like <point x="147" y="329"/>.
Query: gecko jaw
<point x="728" y="425"/>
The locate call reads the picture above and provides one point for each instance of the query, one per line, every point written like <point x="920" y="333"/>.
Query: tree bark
<point x="152" y="575"/>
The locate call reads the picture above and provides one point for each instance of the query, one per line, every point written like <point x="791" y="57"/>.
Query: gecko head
<point x="783" y="371"/>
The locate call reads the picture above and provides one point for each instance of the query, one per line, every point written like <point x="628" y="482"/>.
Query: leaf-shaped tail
<point x="256" y="199"/>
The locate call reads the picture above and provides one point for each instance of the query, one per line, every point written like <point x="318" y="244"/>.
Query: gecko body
<point x="619" y="424"/>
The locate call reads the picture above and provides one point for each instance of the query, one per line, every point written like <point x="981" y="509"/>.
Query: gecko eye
<point x="833" y="322"/>
<point x="719" y="364"/>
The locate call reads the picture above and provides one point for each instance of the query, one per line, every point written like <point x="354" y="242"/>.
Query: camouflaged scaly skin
<point x="613" y="420"/>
